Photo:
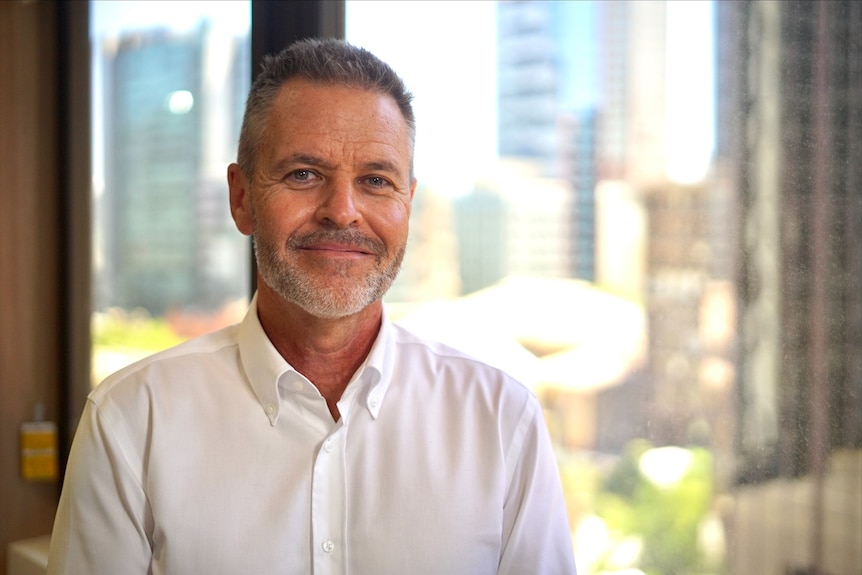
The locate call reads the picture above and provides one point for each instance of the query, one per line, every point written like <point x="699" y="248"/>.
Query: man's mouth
<point x="344" y="243"/>
<point x="338" y="249"/>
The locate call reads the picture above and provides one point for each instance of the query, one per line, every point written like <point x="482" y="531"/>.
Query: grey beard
<point x="323" y="301"/>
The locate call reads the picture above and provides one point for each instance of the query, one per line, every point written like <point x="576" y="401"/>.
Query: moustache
<point x="350" y="238"/>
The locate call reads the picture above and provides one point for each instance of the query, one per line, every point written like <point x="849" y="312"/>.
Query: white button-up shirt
<point x="217" y="457"/>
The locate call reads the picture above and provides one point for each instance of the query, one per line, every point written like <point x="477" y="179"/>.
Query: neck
<point x="326" y="351"/>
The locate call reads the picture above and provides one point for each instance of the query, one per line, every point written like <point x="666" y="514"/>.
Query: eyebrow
<point x="382" y="166"/>
<point x="306" y="159"/>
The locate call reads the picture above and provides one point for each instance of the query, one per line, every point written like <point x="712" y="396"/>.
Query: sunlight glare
<point x="690" y="98"/>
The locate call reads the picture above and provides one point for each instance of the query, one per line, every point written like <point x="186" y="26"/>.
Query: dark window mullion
<point x="276" y="25"/>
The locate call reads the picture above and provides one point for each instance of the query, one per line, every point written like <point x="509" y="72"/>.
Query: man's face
<point x="329" y="202"/>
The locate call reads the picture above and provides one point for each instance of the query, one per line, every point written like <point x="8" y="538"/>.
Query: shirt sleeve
<point x="103" y="518"/>
<point x="536" y="535"/>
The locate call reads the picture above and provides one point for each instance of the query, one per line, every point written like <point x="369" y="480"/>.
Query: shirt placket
<point x="328" y="506"/>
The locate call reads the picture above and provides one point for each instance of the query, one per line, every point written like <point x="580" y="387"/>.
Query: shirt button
<point x="327" y="546"/>
<point x="328" y="447"/>
<point x="373" y="401"/>
<point x="270" y="409"/>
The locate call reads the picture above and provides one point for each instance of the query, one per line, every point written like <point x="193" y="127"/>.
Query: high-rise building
<point x="630" y="43"/>
<point x="792" y="105"/>
<point x="480" y="228"/>
<point x="679" y="284"/>
<point x="798" y="131"/>
<point x="171" y="121"/>
<point x="529" y="76"/>
<point x="430" y="267"/>
<point x="515" y="224"/>
<point x="547" y="115"/>
<point x="581" y="93"/>
<point x="578" y="162"/>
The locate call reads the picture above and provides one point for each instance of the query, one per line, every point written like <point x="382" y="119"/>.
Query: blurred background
<point x="649" y="212"/>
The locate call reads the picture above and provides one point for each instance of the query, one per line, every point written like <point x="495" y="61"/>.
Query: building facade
<point x="170" y="127"/>
<point x="791" y="105"/>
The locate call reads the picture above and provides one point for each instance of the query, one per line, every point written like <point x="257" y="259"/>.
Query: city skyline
<point x="455" y="89"/>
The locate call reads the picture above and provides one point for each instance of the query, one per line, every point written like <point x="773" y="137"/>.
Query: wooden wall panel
<point x="29" y="246"/>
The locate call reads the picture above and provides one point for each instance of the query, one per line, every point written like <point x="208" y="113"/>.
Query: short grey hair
<point x="330" y="62"/>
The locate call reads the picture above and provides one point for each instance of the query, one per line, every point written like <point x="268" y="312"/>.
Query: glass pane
<point x="684" y="295"/>
<point x="169" y="86"/>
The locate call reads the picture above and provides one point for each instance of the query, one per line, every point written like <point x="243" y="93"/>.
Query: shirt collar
<point x="264" y="365"/>
<point x="380" y="366"/>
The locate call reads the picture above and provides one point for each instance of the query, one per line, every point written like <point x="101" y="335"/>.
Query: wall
<point x="30" y="324"/>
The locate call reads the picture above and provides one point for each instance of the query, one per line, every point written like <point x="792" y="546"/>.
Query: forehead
<point x="304" y="109"/>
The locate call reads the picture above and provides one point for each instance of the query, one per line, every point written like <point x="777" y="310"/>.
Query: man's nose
<point x="338" y="205"/>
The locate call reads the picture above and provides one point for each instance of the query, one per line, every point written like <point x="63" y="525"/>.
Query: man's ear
<point x="240" y="199"/>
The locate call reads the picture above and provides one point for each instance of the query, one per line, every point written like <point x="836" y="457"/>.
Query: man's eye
<point x="301" y="175"/>
<point x="377" y="182"/>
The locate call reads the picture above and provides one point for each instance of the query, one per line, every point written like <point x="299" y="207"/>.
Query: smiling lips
<point x="338" y="243"/>
<point x="338" y="249"/>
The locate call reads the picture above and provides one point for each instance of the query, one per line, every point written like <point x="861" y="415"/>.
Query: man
<point x="315" y="436"/>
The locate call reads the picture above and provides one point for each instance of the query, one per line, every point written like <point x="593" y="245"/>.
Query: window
<point x="169" y="87"/>
<point x="648" y="212"/>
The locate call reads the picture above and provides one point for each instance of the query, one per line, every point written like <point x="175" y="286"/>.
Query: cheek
<point x="392" y="224"/>
<point x="279" y="219"/>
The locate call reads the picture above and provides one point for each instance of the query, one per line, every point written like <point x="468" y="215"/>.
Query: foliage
<point x="665" y="519"/>
<point x="137" y="330"/>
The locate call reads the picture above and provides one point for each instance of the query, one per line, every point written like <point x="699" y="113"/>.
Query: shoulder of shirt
<point x="446" y="353"/>
<point x="202" y="345"/>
